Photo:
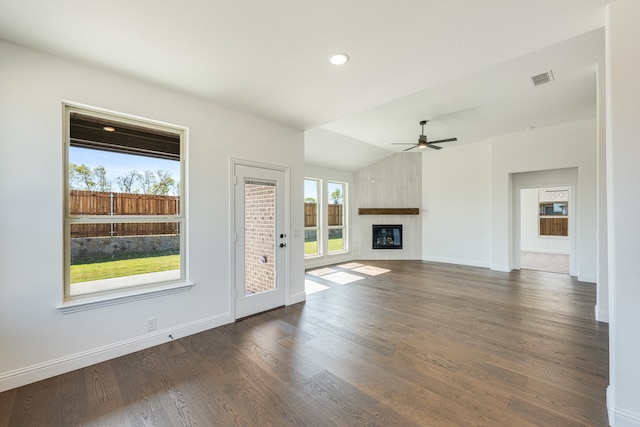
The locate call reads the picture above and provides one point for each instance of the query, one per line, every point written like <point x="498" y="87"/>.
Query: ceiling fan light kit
<point x="423" y="142"/>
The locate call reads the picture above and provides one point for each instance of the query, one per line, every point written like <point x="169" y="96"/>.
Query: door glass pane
<point x="259" y="236"/>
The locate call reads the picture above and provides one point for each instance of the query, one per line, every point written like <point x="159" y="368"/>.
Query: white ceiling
<point x="462" y="64"/>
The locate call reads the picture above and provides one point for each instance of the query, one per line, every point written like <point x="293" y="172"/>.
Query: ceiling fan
<point x="422" y="140"/>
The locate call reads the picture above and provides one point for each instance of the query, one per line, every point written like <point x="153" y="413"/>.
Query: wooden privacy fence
<point x="114" y="204"/>
<point x="107" y="203"/>
<point x="334" y="214"/>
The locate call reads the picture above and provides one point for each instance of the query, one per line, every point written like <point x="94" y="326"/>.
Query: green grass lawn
<point x="124" y="267"/>
<point x="310" y="248"/>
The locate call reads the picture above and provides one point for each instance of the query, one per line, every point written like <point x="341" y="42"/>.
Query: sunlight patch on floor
<point x="321" y="271"/>
<point x="371" y="270"/>
<point x="342" y="278"/>
<point x="311" y="287"/>
<point x="351" y="265"/>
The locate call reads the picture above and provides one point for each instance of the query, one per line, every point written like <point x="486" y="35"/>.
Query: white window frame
<point x="319" y="217"/>
<point x="345" y="219"/>
<point x="73" y="303"/>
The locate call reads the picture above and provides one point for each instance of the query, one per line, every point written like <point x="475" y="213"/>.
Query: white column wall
<point x="623" y="209"/>
<point x="602" y="303"/>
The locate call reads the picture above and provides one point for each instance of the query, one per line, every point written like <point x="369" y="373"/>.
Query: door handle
<point x="282" y="245"/>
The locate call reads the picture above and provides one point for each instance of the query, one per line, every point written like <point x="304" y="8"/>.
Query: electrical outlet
<point x="151" y="324"/>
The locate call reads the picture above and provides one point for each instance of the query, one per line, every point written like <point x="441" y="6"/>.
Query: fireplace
<point x="387" y="236"/>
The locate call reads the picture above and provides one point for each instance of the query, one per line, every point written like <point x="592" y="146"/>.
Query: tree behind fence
<point x="114" y="204"/>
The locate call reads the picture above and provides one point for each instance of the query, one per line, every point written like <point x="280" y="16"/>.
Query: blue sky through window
<point x="118" y="164"/>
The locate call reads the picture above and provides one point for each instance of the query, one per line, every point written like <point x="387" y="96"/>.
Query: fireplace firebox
<point x="388" y="236"/>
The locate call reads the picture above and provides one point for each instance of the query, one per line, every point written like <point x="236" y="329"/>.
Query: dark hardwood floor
<point x="422" y="344"/>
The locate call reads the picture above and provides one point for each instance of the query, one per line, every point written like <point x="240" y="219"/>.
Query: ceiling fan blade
<point x="402" y="143"/>
<point x="443" y="140"/>
<point x="410" y="148"/>
<point x="435" y="147"/>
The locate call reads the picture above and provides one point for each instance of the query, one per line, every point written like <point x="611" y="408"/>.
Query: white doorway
<point x="260" y="238"/>
<point x="553" y="178"/>
<point x="544" y="232"/>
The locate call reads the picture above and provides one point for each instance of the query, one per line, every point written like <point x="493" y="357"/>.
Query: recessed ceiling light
<point x="339" y="59"/>
<point x="108" y="128"/>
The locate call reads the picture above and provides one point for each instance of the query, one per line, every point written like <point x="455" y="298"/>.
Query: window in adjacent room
<point x="553" y="212"/>
<point x="311" y="217"/>
<point x="124" y="213"/>
<point x="336" y="217"/>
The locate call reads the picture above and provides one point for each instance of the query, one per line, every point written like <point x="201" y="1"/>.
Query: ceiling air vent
<point x="543" y="78"/>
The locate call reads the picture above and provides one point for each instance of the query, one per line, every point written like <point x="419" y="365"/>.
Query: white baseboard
<point x="50" y="368"/>
<point x="610" y="404"/>
<point x="602" y="315"/>
<point x="296" y="298"/>
<point x="587" y="278"/>
<point x="503" y="268"/>
<point x="458" y="261"/>
<point x="620" y="417"/>
<point x="546" y="251"/>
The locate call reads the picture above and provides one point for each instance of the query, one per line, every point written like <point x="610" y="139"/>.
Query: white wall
<point x="530" y="239"/>
<point x="393" y="182"/>
<point x="456" y="204"/>
<point x="564" y="146"/>
<point x="468" y="200"/>
<point x="37" y="341"/>
<point x="623" y="178"/>
<point x="326" y="175"/>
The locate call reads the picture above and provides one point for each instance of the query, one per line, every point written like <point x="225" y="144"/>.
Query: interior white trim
<point x="296" y="298"/>
<point x="50" y="368"/>
<point x="601" y="315"/>
<point x="620" y="417"/>
<point x="546" y="251"/>
<point x="503" y="268"/>
<point x="82" y="304"/>
<point x="587" y="278"/>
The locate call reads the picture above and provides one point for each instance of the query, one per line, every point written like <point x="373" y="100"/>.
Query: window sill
<point x="91" y="303"/>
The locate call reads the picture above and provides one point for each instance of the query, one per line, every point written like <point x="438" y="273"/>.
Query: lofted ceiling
<point x="464" y="65"/>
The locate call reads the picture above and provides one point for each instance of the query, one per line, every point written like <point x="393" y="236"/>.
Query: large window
<point x="311" y="217"/>
<point x="124" y="214"/>
<point x="336" y="192"/>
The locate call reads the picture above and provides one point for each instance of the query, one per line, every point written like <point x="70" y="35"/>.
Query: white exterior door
<point x="260" y="239"/>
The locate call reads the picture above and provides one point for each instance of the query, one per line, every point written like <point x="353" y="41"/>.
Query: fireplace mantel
<point x="388" y="211"/>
